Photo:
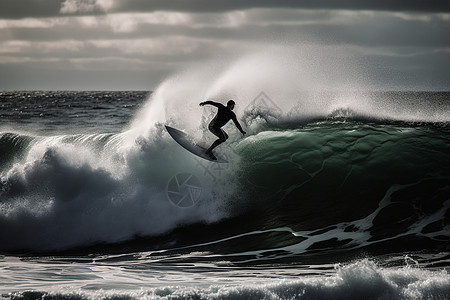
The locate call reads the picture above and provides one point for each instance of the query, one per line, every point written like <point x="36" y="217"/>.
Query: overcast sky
<point x="136" y="44"/>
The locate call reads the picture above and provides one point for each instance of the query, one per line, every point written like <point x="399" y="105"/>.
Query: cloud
<point x="364" y="28"/>
<point x="16" y="9"/>
<point x="155" y="38"/>
<point x="220" y="6"/>
<point x="85" y="6"/>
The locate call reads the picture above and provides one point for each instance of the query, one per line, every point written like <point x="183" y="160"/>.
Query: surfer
<point x="224" y="114"/>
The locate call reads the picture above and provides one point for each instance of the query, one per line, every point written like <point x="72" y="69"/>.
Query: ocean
<point x="329" y="195"/>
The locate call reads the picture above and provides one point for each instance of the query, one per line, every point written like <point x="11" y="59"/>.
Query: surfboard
<point x="187" y="143"/>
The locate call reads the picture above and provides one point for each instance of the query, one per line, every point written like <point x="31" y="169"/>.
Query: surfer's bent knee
<point x="218" y="132"/>
<point x="224" y="136"/>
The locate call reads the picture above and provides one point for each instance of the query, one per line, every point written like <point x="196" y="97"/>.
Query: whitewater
<point x="337" y="191"/>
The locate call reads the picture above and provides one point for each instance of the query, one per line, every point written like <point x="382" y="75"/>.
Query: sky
<point x="137" y="44"/>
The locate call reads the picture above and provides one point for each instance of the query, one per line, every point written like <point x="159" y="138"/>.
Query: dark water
<point x="97" y="201"/>
<point x="49" y="112"/>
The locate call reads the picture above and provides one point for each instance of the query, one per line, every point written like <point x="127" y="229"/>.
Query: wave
<point x="67" y="191"/>
<point x="362" y="279"/>
<point x="350" y="185"/>
<point x="335" y="184"/>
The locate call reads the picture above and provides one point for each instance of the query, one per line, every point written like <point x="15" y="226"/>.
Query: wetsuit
<point x="224" y="114"/>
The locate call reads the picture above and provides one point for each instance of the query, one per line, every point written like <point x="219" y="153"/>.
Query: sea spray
<point x="98" y="193"/>
<point x="299" y="83"/>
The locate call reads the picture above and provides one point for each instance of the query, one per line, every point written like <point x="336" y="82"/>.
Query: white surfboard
<point x="187" y="143"/>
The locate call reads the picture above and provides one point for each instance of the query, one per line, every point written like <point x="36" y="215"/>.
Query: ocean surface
<point x="328" y="196"/>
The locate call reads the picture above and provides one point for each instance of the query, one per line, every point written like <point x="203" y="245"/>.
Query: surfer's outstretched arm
<point x="210" y="103"/>
<point x="238" y="125"/>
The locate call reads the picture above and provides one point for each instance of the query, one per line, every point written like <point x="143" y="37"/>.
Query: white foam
<point x="68" y="194"/>
<point x="362" y="279"/>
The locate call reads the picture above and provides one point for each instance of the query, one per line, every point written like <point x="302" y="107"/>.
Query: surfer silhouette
<point x="224" y="114"/>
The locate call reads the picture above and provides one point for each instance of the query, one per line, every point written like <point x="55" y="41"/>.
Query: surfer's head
<point x="230" y="104"/>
